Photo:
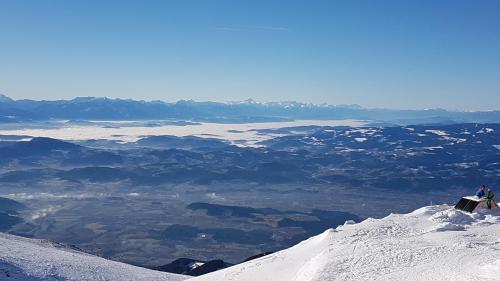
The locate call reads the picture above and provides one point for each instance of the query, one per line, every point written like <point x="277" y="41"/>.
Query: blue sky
<point x="392" y="54"/>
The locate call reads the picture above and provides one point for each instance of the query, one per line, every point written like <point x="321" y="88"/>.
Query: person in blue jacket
<point x="481" y="192"/>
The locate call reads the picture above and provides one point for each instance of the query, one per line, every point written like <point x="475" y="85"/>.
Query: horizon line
<point x="251" y="101"/>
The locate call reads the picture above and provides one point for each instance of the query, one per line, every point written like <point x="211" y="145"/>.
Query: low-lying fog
<point x="244" y="134"/>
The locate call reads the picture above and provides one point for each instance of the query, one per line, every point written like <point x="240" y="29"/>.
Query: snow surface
<point x="486" y="131"/>
<point x="437" y="132"/>
<point x="431" y="243"/>
<point x="23" y="259"/>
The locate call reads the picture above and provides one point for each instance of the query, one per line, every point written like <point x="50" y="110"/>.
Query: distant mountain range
<point x="91" y="108"/>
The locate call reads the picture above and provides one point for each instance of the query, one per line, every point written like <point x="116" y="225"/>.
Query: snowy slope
<point x="35" y="260"/>
<point x="431" y="243"/>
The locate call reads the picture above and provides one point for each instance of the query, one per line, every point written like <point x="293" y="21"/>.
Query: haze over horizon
<point x="385" y="54"/>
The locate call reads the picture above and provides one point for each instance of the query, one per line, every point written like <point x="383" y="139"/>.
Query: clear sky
<point x="393" y="54"/>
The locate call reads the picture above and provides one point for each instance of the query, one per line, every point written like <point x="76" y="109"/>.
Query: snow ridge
<point x="23" y="259"/>
<point x="431" y="243"/>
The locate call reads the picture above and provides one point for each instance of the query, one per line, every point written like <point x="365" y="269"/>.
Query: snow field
<point x="35" y="260"/>
<point x="431" y="243"/>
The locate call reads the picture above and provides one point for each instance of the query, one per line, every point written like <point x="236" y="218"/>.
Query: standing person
<point x="481" y="191"/>
<point x="489" y="199"/>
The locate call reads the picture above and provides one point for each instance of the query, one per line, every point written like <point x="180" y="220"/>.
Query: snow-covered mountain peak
<point x="431" y="243"/>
